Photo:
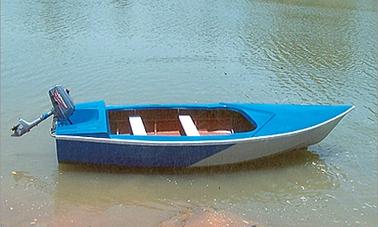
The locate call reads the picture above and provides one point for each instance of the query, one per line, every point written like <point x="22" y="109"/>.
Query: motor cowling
<point x="63" y="105"/>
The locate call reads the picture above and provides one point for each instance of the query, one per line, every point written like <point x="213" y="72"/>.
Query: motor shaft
<point x="23" y="126"/>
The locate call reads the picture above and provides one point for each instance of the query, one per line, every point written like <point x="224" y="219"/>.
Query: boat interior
<point x="178" y="122"/>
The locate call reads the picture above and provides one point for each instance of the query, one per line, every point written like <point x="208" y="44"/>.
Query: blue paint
<point x="134" y="155"/>
<point x="90" y="119"/>
<point x="288" y="117"/>
<point x="87" y="119"/>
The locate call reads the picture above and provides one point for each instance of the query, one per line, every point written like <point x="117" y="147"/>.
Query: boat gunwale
<point x="200" y="140"/>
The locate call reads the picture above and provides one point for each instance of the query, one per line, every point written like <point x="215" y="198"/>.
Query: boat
<point x="180" y="135"/>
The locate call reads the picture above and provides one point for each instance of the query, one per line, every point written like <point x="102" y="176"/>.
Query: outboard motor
<point x="63" y="107"/>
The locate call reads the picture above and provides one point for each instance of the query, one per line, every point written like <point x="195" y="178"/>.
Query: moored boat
<point x="181" y="135"/>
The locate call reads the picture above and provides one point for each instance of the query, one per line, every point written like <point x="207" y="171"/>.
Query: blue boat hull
<point x="279" y="128"/>
<point x="134" y="155"/>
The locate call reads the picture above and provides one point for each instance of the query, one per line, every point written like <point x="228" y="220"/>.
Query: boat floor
<point x="178" y="122"/>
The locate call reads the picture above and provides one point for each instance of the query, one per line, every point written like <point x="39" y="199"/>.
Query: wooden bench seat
<point x="137" y="126"/>
<point x="188" y="125"/>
